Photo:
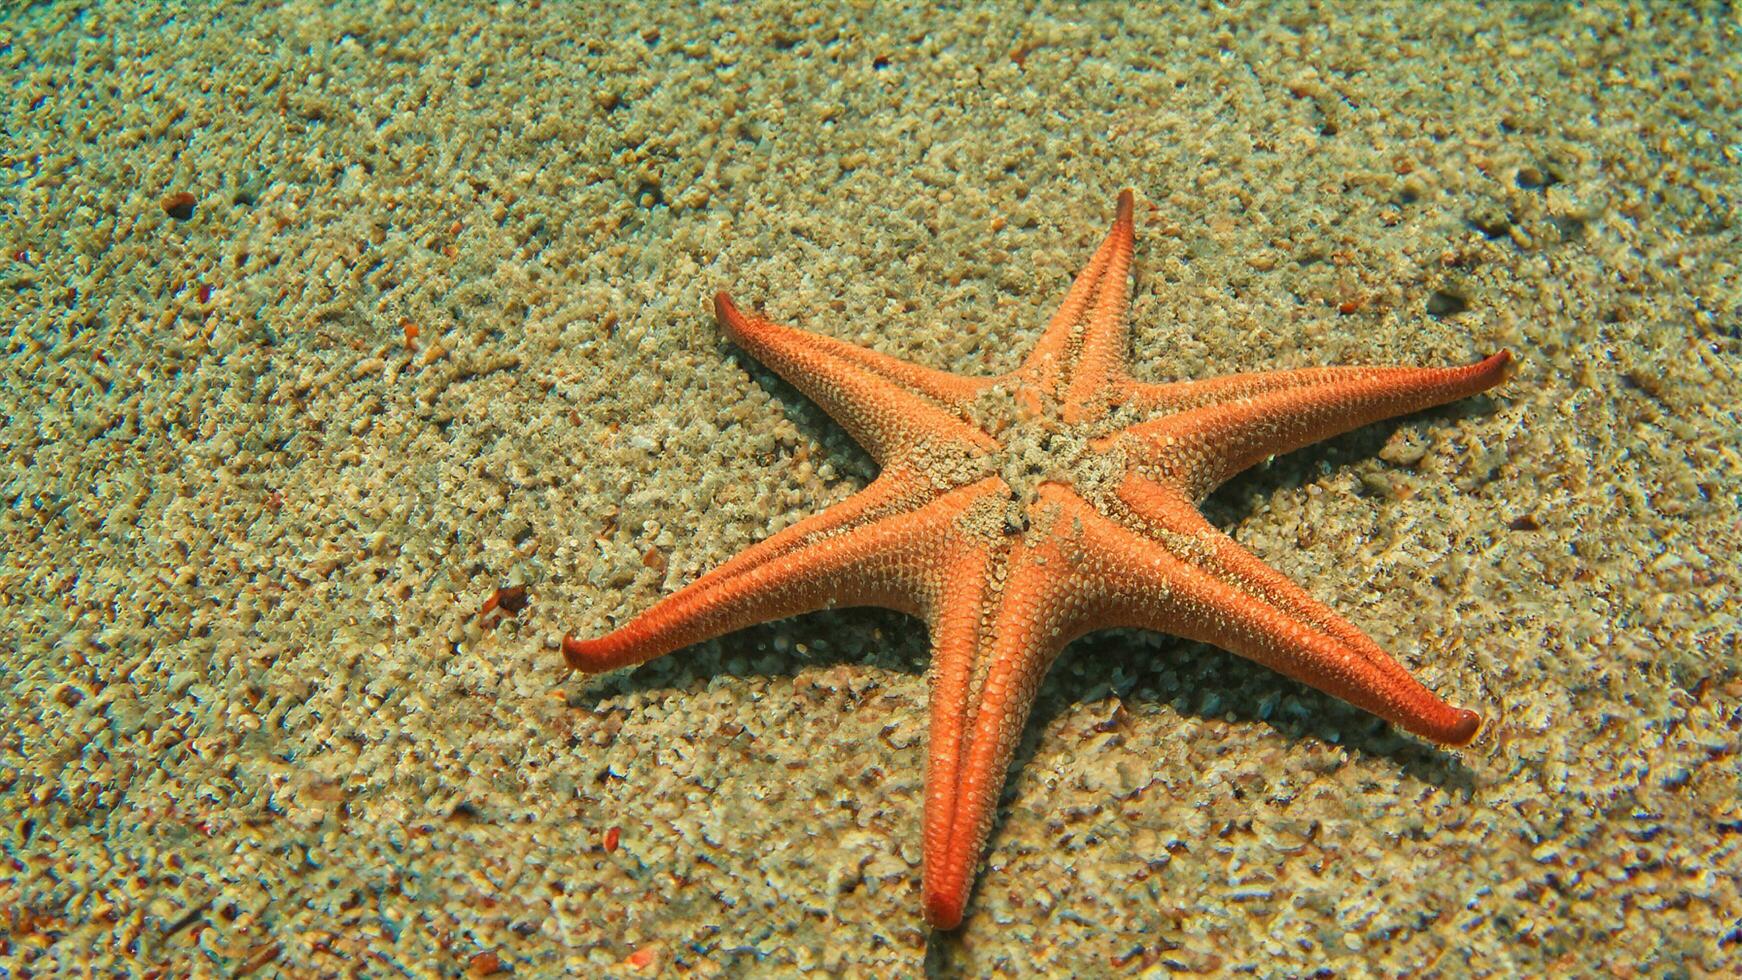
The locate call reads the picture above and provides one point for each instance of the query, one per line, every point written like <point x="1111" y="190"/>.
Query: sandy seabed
<point x="323" y="323"/>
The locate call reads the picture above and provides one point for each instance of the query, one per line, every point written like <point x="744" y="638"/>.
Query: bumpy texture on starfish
<point x="1013" y="514"/>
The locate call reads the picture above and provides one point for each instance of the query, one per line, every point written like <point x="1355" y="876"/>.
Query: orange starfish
<point x="1016" y="513"/>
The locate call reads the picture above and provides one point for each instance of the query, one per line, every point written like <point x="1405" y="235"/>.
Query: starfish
<point x="1015" y="513"/>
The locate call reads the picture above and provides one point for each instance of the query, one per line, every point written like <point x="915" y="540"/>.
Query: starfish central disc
<point x="1037" y="445"/>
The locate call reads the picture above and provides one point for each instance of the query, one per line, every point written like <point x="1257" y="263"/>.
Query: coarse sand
<point x="324" y="322"/>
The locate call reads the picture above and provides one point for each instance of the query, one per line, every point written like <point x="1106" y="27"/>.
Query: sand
<point x="325" y="324"/>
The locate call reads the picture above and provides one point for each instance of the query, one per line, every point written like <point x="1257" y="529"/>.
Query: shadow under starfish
<point x="1015" y="513"/>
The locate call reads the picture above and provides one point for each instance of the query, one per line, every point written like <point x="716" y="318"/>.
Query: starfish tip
<point x="1463" y="730"/>
<point x="730" y="318"/>
<point x="724" y="308"/>
<point x="943" y="912"/>
<point x="580" y="654"/>
<point x="1127" y="201"/>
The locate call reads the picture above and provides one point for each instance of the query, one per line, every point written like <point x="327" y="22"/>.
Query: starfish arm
<point x="989" y="662"/>
<point x="1172" y="518"/>
<point x="867" y="550"/>
<point x="959" y="633"/>
<point x="1181" y="396"/>
<point x="1200" y="585"/>
<point x="1083" y="351"/>
<point x="886" y="404"/>
<point x="1233" y="423"/>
